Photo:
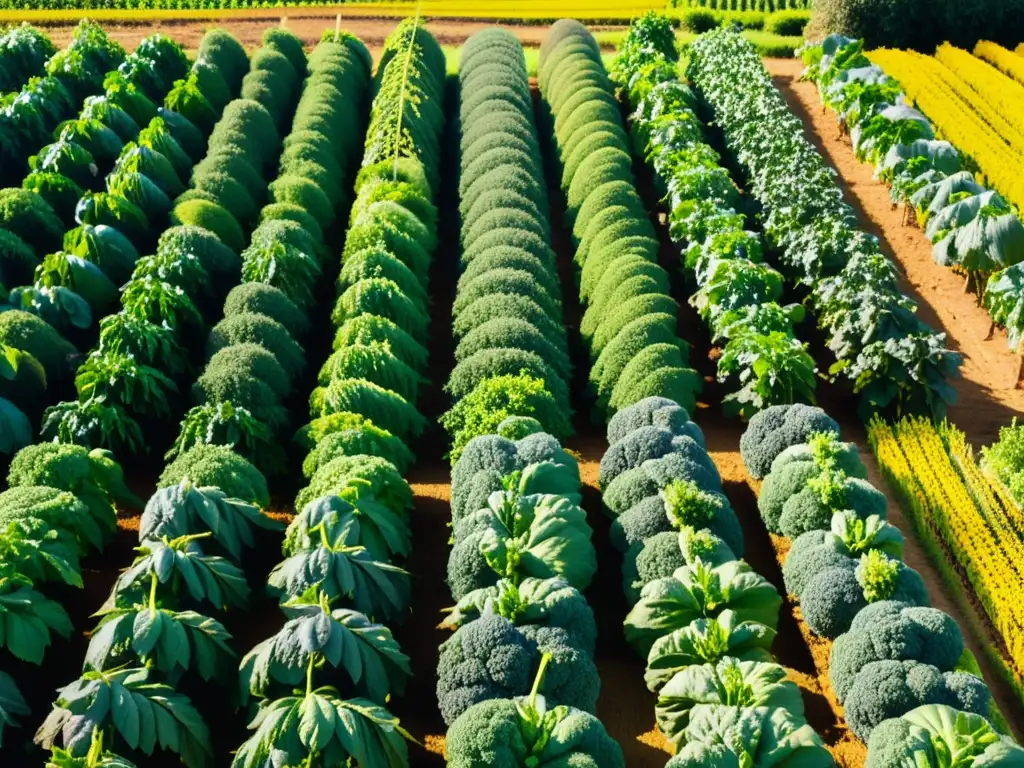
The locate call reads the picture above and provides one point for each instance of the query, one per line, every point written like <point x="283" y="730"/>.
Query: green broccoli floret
<point x="643" y="520"/>
<point x="264" y="299"/>
<point x="545" y="602"/>
<point x="888" y="630"/>
<point x="779" y="487"/>
<point x="847" y="458"/>
<point x="385" y="481"/>
<point x="220" y="467"/>
<point x="518" y="427"/>
<point x="653" y="412"/>
<point x="642" y="444"/>
<point x="808" y="556"/>
<point x="774" y="429"/>
<point x="887" y="689"/>
<point x="635" y="485"/>
<point x="836" y="595"/>
<point x="349" y="434"/>
<point x="656" y="558"/>
<point x="491" y="658"/>
<point x="806" y="511"/>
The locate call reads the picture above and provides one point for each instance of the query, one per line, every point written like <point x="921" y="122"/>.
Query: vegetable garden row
<point x="247" y="175"/>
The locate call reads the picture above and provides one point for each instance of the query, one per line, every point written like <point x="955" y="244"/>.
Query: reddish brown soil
<point x="988" y="393"/>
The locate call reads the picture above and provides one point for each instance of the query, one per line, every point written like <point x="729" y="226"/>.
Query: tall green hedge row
<point x="512" y="361"/>
<point x="630" y="325"/>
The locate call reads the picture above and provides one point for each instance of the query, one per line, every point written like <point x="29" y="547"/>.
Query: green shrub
<point x="369" y="329"/>
<point x="388" y="409"/>
<point x="616" y="295"/>
<point x="580" y="98"/>
<point x="630" y="342"/>
<point x="187" y="99"/>
<point x="510" y="123"/>
<point x="231" y="159"/>
<point x="498" y="72"/>
<point x="267" y="300"/>
<point x="498" y="305"/>
<point x="377" y="262"/>
<point x="582" y="122"/>
<point x="490" y="161"/>
<point x="379" y="234"/>
<point x="220" y="467"/>
<point x="627" y="268"/>
<point x="400" y="193"/>
<point x="285" y="232"/>
<point x="608" y="225"/>
<point x="230" y="377"/>
<point x="565" y="32"/>
<point x="328" y="182"/>
<point x="487" y="363"/>
<point x="506" y="178"/>
<point x="17" y="260"/>
<point x="522" y="239"/>
<point x="513" y="333"/>
<point x="31" y="334"/>
<point x="222" y="50"/>
<point x="32" y="219"/>
<point x="349" y="434"/>
<point x="598" y="261"/>
<point x="526" y="149"/>
<point x="635" y="375"/>
<point x="621" y="316"/>
<point x="503" y="218"/>
<point x="284" y="42"/>
<point x="319" y="152"/>
<point x="212" y="217"/>
<point x="399" y="218"/>
<point x="787" y="23"/>
<point x="374" y="363"/>
<point x="509" y="257"/>
<point x="219" y="261"/>
<point x="231" y="194"/>
<point x="384" y="298"/>
<point x="258" y="329"/>
<point x="383" y="481"/>
<point x="565" y="56"/>
<point x="682" y="385"/>
<point x="496" y="199"/>
<point x="256" y="362"/>
<point x="602" y="137"/>
<point x="498" y="398"/>
<point x="212" y="84"/>
<point x="248" y="121"/>
<point x="699" y="20"/>
<point x="189" y="137"/>
<point x="270" y="90"/>
<point x="563" y="83"/>
<point x="611" y="193"/>
<point x="59" y="192"/>
<point x="505" y="280"/>
<point x="513" y="95"/>
<point x="404" y="170"/>
<point x="293" y="212"/>
<point x="604" y="166"/>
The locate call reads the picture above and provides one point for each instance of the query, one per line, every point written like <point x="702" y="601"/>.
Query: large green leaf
<point x="143" y="713"/>
<point x="15" y="428"/>
<point x="345" y="639"/>
<point x="373" y="525"/>
<point x="12" y="704"/>
<point x="321" y="730"/>
<point x="40" y="551"/>
<point x="986" y="244"/>
<point x="27" y="618"/>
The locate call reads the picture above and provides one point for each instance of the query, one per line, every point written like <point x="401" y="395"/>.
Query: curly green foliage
<point x="249" y="377"/>
<point x="349" y="434"/>
<point x="286" y="43"/>
<point x="505" y="361"/>
<point x="379" y="263"/>
<point x="634" y="485"/>
<point x="59" y="509"/>
<point x="384" y="298"/>
<point x="653" y="412"/>
<point x="220" y="467"/>
<point x="292" y="212"/>
<point x="250" y="327"/>
<point x="825" y="494"/>
<point x="267" y="300"/>
<point x="513" y="333"/>
<point x="495" y="399"/>
<point x="542" y="270"/>
<point x="505" y="280"/>
<point x="17" y="259"/>
<point x="1005" y="458"/>
<point x="656" y="329"/>
<point x="381" y="478"/>
<point x="388" y="409"/>
<point x="222" y="50"/>
<point x="371" y="329"/>
<point x="491" y="658"/>
<point x="659" y="371"/>
<point x="374" y="363"/>
<point x="507" y="305"/>
<point x="31" y="218"/>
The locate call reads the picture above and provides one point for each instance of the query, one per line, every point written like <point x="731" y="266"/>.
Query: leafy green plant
<point x="12" y="704"/>
<point x="223" y="423"/>
<point x="40" y="551"/>
<point x="96" y="757"/>
<point x="27" y="619"/>
<point x="150" y="344"/>
<point x="119" y="378"/>
<point x="93" y="423"/>
<point x="773" y="369"/>
<point x="324" y="636"/>
<point x="128" y="704"/>
<point x="161" y="303"/>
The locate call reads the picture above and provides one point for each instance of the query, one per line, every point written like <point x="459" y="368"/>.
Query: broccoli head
<point x="928" y="735"/>
<point x="779" y="487"/>
<point x="491" y="658"/>
<point x="847" y="458"/>
<point x="653" y="412"/>
<point x="837" y="594"/>
<point x="809" y="555"/>
<point x="505" y="734"/>
<point x="887" y="689"/>
<point x="643" y="520"/>
<point x="642" y="444"/>
<point x="777" y="427"/>
<point x="545" y="602"/>
<point x="656" y="558"/>
<point x="634" y="485"/>
<point x="807" y="510"/>
<point x="59" y="509"/>
<point x="220" y="467"/>
<point x="888" y="630"/>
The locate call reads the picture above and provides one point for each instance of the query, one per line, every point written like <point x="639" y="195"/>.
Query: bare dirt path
<point x="987" y="395"/>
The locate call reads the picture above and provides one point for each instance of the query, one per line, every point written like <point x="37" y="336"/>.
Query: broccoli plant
<point x="730" y="682"/>
<point x="340" y="638"/>
<point x="187" y="572"/>
<point x="707" y="641"/>
<point x="696" y="592"/>
<point x="342" y="568"/>
<point x="93" y="423"/>
<point x="936" y="736"/>
<point x="516" y="536"/>
<point x="224" y="423"/>
<point x="749" y="737"/>
<point x="127" y="705"/>
<point x="41" y="551"/>
<point x="353" y="508"/>
<point x="545" y="602"/>
<point x="12" y="704"/>
<point x="27" y="618"/>
<point x="119" y="379"/>
<point x="523" y="732"/>
<point x="150" y="344"/>
<point x="183" y="509"/>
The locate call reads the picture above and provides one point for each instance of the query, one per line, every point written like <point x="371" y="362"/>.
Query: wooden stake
<point x="337" y="27"/>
